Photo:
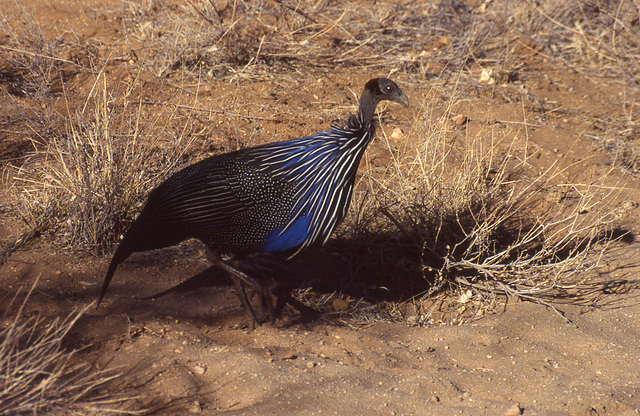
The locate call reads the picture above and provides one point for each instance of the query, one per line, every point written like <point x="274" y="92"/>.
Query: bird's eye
<point x="388" y="88"/>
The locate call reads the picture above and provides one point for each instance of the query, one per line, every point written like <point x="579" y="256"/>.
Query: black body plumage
<point x="278" y="197"/>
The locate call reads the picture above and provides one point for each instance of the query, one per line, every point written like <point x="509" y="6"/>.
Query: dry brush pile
<point x="489" y="224"/>
<point x="40" y="375"/>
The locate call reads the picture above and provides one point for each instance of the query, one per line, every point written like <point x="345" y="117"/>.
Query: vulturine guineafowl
<point x="278" y="197"/>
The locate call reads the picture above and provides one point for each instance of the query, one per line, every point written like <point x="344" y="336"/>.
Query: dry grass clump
<point x="86" y="183"/>
<point x="600" y="33"/>
<point x="38" y="375"/>
<point x="34" y="64"/>
<point x="31" y="70"/>
<point x="240" y="34"/>
<point x="485" y="223"/>
<point x="621" y="144"/>
<point x="598" y="39"/>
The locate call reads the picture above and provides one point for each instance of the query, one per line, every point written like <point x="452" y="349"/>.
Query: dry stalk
<point x="38" y="375"/>
<point x="484" y="221"/>
<point x="83" y="183"/>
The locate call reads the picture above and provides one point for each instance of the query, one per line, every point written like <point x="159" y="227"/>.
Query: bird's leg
<point x="244" y="299"/>
<point x="264" y="297"/>
<point x="239" y="277"/>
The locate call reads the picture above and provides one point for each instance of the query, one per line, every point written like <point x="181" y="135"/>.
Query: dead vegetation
<point x="487" y="223"/>
<point x="82" y="180"/>
<point x="39" y="375"/>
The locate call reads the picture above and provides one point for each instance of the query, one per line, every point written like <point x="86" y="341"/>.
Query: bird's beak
<point x="402" y="99"/>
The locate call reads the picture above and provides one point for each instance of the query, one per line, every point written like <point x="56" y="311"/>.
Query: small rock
<point x="466" y="296"/>
<point x="629" y="205"/>
<point x="487" y="76"/>
<point x="199" y="369"/>
<point x="195" y="407"/>
<point x="397" y="133"/>
<point x="443" y="41"/>
<point x="311" y="364"/>
<point x="434" y="399"/>
<point x="341" y="305"/>
<point x="220" y="5"/>
<point x="514" y="410"/>
<point x="459" y="119"/>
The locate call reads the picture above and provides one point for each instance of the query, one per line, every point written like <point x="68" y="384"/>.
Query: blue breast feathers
<point x="288" y="238"/>
<point x="320" y="170"/>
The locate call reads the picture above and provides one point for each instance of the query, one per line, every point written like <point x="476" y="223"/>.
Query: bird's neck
<point x="367" y="109"/>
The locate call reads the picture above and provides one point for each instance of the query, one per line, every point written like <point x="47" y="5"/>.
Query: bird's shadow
<point x="347" y="268"/>
<point x="379" y="268"/>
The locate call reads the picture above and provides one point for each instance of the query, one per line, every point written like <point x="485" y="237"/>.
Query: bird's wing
<point x="205" y="194"/>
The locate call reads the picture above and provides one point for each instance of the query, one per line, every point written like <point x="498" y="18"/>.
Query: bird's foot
<point x="259" y="296"/>
<point x="265" y="300"/>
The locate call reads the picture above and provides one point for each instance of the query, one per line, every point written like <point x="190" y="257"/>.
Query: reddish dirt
<point x="187" y="352"/>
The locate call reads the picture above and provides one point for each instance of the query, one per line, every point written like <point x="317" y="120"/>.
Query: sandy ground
<point x="187" y="352"/>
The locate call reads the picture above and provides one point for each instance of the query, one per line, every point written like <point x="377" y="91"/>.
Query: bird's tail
<point x="124" y="250"/>
<point x="142" y="236"/>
